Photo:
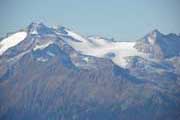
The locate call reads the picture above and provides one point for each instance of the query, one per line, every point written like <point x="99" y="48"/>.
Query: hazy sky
<point x="121" y="19"/>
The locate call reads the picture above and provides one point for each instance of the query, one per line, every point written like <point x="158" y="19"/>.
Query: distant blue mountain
<point x="46" y="76"/>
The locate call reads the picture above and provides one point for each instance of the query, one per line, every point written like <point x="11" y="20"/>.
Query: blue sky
<point x="121" y="19"/>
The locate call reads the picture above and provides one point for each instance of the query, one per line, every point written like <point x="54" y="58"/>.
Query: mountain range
<point x="54" y="73"/>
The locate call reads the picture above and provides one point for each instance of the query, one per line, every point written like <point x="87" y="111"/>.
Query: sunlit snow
<point x="11" y="41"/>
<point x="34" y="32"/>
<point x="75" y="35"/>
<point x="42" y="46"/>
<point x="41" y="59"/>
<point x="100" y="47"/>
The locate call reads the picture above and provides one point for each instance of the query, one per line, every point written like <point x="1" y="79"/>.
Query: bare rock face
<point x="158" y="45"/>
<point x="43" y="77"/>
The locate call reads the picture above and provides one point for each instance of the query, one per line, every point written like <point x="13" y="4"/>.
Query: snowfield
<point x="93" y="46"/>
<point x="100" y="47"/>
<point x="11" y="41"/>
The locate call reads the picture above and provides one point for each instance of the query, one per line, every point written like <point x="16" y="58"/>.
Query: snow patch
<point x="42" y="46"/>
<point x="50" y="54"/>
<point x="151" y="40"/>
<point x="98" y="41"/>
<point x="34" y="32"/>
<point x="86" y="59"/>
<point x="11" y="41"/>
<point x="75" y="36"/>
<point x="41" y="59"/>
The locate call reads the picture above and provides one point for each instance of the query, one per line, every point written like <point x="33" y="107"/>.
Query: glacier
<point x="54" y="73"/>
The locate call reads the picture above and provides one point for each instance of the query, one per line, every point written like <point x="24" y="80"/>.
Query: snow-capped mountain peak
<point x="158" y="45"/>
<point x="53" y="73"/>
<point x="41" y="36"/>
<point x="39" y="29"/>
<point x="153" y="36"/>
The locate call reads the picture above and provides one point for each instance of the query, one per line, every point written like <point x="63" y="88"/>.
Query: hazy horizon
<point x="118" y="19"/>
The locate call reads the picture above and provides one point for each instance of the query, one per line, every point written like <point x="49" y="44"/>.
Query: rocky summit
<point x="49" y="73"/>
